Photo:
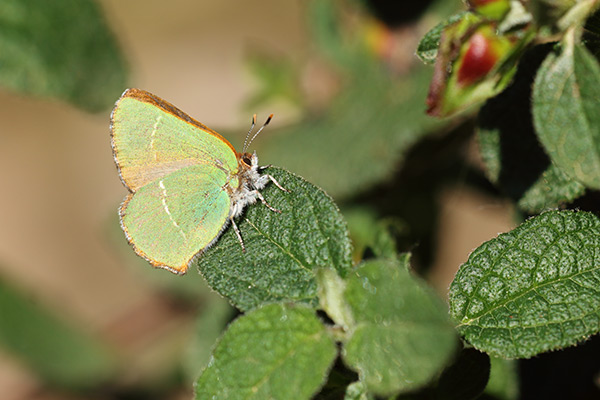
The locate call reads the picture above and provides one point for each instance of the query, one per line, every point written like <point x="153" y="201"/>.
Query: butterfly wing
<point x="168" y="221"/>
<point x="151" y="138"/>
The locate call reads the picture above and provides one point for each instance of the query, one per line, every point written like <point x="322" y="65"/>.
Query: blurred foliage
<point x="59" y="352"/>
<point x="212" y="320"/>
<point x="60" y="49"/>
<point x="371" y="235"/>
<point x="374" y="114"/>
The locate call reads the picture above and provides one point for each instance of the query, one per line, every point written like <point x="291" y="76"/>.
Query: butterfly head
<point x="248" y="161"/>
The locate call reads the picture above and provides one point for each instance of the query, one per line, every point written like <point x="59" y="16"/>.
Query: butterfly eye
<point x="246" y="160"/>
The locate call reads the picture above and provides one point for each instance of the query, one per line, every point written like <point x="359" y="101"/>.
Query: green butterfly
<point x="187" y="182"/>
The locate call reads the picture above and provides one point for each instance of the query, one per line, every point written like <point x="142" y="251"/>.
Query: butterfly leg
<point x="239" y="235"/>
<point x="276" y="183"/>
<point x="262" y="200"/>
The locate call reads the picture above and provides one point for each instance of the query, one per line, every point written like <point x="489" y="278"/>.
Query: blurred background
<point x="82" y="317"/>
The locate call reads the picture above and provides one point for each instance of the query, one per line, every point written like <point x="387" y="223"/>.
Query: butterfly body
<point x="186" y="181"/>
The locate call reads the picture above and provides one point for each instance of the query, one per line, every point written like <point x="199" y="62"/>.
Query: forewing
<point x="171" y="219"/>
<point x="151" y="138"/>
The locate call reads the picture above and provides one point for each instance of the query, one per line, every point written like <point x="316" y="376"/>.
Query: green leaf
<point x="509" y="147"/>
<point x="283" y="250"/>
<point x="466" y="378"/>
<point x="402" y="336"/>
<point x="369" y="232"/>
<point x="533" y="289"/>
<point x="61" y="49"/>
<point x="565" y="111"/>
<point x="504" y="380"/>
<point x="331" y="298"/>
<point x="59" y="353"/>
<point x="428" y="46"/>
<point x="274" y="352"/>
<point x="552" y="189"/>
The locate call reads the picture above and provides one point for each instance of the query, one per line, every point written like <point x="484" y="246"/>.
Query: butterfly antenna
<point x="261" y="128"/>
<point x="246" y="143"/>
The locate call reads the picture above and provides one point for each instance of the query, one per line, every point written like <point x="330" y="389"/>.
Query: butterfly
<point x="186" y="182"/>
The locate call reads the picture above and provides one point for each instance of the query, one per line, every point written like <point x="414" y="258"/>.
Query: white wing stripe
<point x="166" y="207"/>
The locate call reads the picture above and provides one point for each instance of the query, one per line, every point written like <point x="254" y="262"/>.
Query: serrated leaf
<point x="402" y="336"/>
<point x="274" y="352"/>
<point x="565" y="102"/>
<point x="533" y="289"/>
<point x="428" y="46"/>
<point x="513" y="157"/>
<point x="283" y="250"/>
<point x="466" y="378"/>
<point x="60" y="49"/>
<point x="59" y="353"/>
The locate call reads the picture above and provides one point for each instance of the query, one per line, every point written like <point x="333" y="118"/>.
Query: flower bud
<point x="472" y="65"/>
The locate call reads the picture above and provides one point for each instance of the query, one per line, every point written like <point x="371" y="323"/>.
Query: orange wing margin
<point x="148" y="97"/>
